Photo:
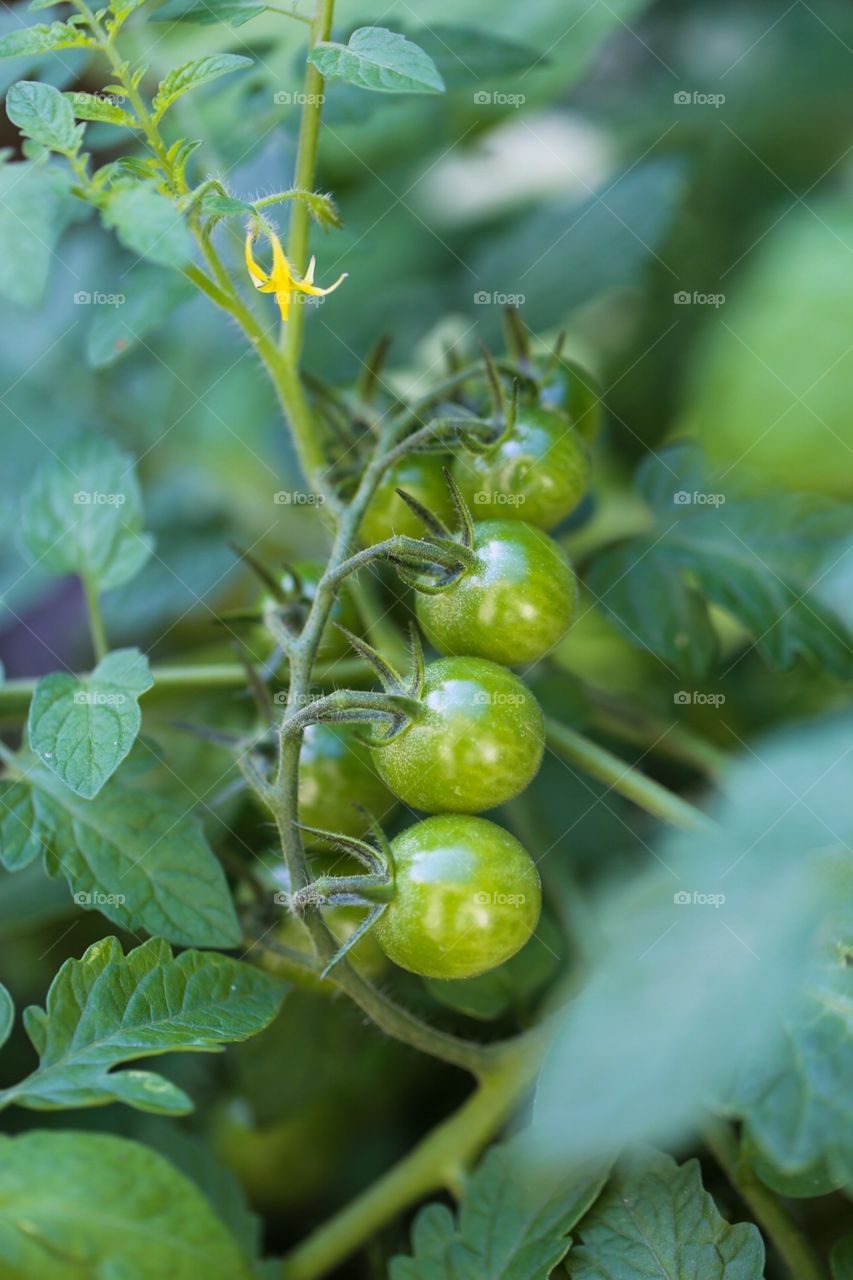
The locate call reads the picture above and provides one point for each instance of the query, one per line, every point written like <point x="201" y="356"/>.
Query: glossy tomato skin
<point x="466" y="898"/>
<point x="570" y="389"/>
<point x="332" y="643"/>
<point x="421" y="475"/>
<point x="537" y="473"/>
<point x="477" y="742"/>
<point x="514" y="607"/>
<point x="337" y="773"/>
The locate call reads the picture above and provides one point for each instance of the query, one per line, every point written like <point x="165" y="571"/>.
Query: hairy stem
<point x="96" y="621"/>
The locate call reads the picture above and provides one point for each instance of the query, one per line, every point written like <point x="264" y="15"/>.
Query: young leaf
<point x="655" y="1219"/>
<point x="22" y="835"/>
<point x="44" y="38"/>
<point x="69" y="1196"/>
<point x="380" y="60"/>
<point x="36" y="206"/>
<point x="7" y="1015"/>
<point x="149" y="224"/>
<point x="138" y="858"/>
<point x="152" y="294"/>
<point x="93" y="106"/>
<point x="194" y="74"/>
<point x="205" y="12"/>
<point x="752" y="556"/>
<point x="83" y="728"/>
<point x="107" y="1009"/>
<point x="44" y="114"/>
<point x="82" y="513"/>
<point x="512" y="1224"/>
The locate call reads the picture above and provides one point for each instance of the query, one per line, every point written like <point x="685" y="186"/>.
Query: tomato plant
<point x="508" y="348"/>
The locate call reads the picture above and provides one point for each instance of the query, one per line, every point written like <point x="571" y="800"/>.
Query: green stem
<point x="96" y="621"/>
<point x="675" y="741"/>
<point x="432" y="1166"/>
<point x="306" y="161"/>
<point x="775" y="1221"/>
<point x="621" y="777"/>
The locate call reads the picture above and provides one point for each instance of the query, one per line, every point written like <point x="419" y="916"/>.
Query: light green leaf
<point x="107" y="1009"/>
<point x="753" y="556"/>
<point x="380" y="60"/>
<point x="206" y="12"/>
<point x="75" y="1205"/>
<point x="82" y="728"/>
<point x="36" y="206"/>
<point x="7" y="1015"/>
<point x="152" y="294"/>
<point x="655" y="1221"/>
<point x="22" y="837"/>
<point x="512" y="1223"/>
<point x="82" y="513"/>
<point x="94" y="106"/>
<point x="42" y="113"/>
<point x="149" y="224"/>
<point x="138" y="858"/>
<point x="191" y="75"/>
<point x="43" y="38"/>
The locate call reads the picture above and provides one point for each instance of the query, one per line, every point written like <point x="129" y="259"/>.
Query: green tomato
<point x="570" y="389"/>
<point x="337" y="773"/>
<point x="332" y="643"/>
<point x="514" y="607"/>
<point x="476" y="741"/>
<point x="466" y="898"/>
<point x="538" y="472"/>
<point x="421" y="475"/>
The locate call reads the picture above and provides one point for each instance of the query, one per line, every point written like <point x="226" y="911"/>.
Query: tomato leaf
<point x="152" y="294"/>
<point x="82" y="728"/>
<point x="655" y="1219"/>
<point x="82" y="513"/>
<point x="108" y="1008"/>
<point x="22" y="835"/>
<point x="36" y="206"/>
<point x="149" y="224"/>
<point x="380" y="60"/>
<point x="7" y="1015"/>
<point x="72" y="1195"/>
<point x="43" y="114"/>
<point x="191" y="75"/>
<point x="206" y="12"/>
<point x="512" y="1224"/>
<point x="753" y="556"/>
<point x="44" y="38"/>
<point x="97" y="107"/>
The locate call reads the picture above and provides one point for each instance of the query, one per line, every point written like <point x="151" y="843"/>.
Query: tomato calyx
<point x="433" y="581"/>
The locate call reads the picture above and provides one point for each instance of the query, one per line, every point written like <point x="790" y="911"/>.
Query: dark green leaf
<point x="82" y="1204"/>
<point x="7" y="1015"/>
<point x="22" y="837"/>
<point x="83" y="728"/>
<point x="655" y="1221"/>
<point x="107" y="1009"/>
<point x="467" y="55"/>
<point x="380" y="60"/>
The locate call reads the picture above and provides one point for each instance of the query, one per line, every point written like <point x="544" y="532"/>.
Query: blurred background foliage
<point x="598" y="197"/>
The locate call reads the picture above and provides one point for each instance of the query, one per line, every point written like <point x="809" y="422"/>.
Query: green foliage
<point x="36" y="206"/>
<point x="205" y="12"/>
<point x="91" y="106"/>
<point x="22" y="835"/>
<point x="511" y="1224"/>
<point x="381" y="60"/>
<point x="7" y="1015"/>
<point x="44" y="38"/>
<point x="754" y="556"/>
<point x="148" y="224"/>
<point x="191" y="75"/>
<point x="656" y="1221"/>
<point x="153" y="293"/>
<point x="43" y="114"/>
<point x="82" y="514"/>
<point x="73" y="1204"/>
<point x="82" y="729"/>
<point x="107" y="1009"/>
<point x="841" y="1259"/>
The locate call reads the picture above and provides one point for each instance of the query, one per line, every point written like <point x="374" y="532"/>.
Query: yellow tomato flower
<point x="280" y="280"/>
